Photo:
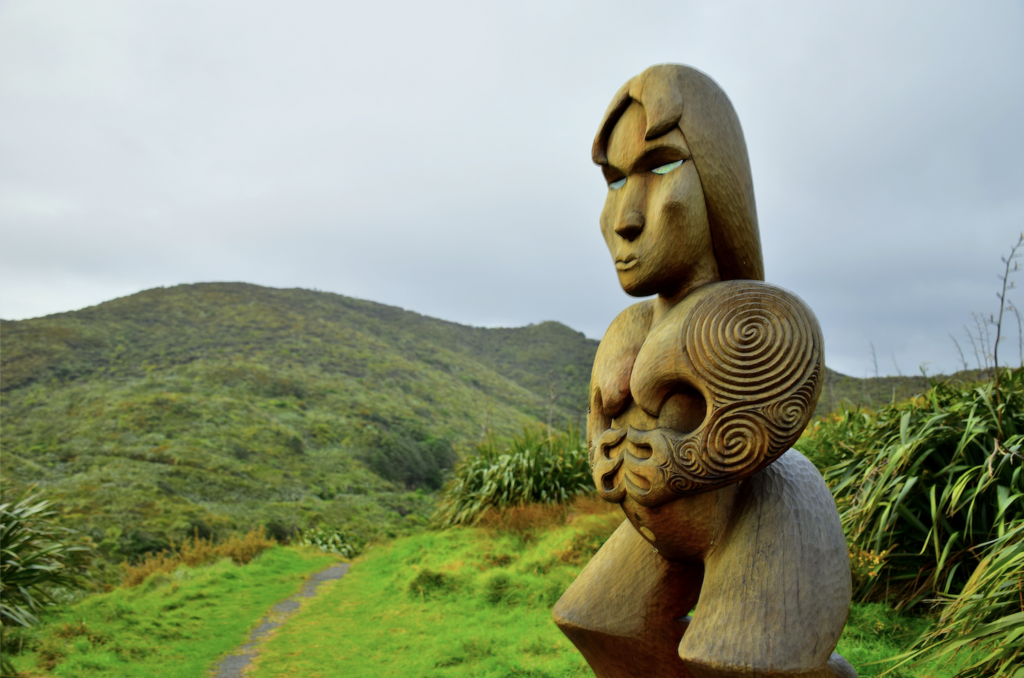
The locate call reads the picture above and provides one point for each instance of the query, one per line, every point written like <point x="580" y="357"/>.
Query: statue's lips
<point x="626" y="263"/>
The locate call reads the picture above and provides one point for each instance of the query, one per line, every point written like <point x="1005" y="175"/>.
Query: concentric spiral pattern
<point x="686" y="458"/>
<point x="750" y="340"/>
<point x="758" y="350"/>
<point x="735" y="442"/>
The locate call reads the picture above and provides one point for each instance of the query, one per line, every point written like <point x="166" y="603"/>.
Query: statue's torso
<point x="685" y="407"/>
<point x="685" y="528"/>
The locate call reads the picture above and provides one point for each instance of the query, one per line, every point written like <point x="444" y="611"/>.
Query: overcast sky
<point x="436" y="156"/>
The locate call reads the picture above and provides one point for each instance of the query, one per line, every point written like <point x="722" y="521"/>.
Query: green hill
<point x="218" y="407"/>
<point x="215" y="407"/>
<point x="167" y="327"/>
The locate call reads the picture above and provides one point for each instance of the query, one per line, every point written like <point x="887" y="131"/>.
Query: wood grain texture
<point x="758" y="558"/>
<point x="739" y="366"/>
<point x="625" y="610"/>
<point x="778" y="595"/>
<point x="679" y="97"/>
<point x="696" y="396"/>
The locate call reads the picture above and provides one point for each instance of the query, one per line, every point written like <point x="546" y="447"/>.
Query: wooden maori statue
<point x="696" y="397"/>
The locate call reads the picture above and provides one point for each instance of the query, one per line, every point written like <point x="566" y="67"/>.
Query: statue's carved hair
<point x="679" y="96"/>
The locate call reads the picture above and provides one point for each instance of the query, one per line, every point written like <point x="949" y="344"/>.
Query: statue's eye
<point x="617" y="184"/>
<point x="665" y="169"/>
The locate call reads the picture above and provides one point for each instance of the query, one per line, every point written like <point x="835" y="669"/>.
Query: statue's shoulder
<point x="613" y="364"/>
<point x="632" y="325"/>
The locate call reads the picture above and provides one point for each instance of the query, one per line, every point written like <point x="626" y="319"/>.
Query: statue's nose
<point x="630" y="225"/>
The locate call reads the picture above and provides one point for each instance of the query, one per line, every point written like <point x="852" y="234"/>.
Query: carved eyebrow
<point x="666" y="148"/>
<point x="612" y="173"/>
<point x="660" y="155"/>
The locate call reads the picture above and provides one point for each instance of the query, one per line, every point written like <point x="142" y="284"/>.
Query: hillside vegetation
<point x="201" y="410"/>
<point x="206" y="409"/>
<point x="365" y="342"/>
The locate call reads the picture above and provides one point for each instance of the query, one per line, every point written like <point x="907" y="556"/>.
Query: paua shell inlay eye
<point x="665" y="169"/>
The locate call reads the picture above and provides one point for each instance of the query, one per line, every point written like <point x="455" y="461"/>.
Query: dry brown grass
<point x="590" y="538"/>
<point x="591" y="504"/>
<point x="526" y="518"/>
<point x="529" y="517"/>
<point x="197" y="551"/>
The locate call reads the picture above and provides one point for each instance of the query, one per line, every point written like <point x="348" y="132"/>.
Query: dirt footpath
<point x="235" y="664"/>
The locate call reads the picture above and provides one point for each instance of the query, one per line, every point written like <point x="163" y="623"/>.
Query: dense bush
<point x="930" y="491"/>
<point x="403" y="452"/>
<point x="532" y="467"/>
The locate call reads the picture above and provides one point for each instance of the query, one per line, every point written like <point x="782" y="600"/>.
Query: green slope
<point x="216" y="407"/>
<point x="220" y="406"/>
<point x="164" y="327"/>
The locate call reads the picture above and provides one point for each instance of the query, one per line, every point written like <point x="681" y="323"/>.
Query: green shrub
<point x="532" y="467"/>
<point x="922" y="484"/>
<point x="330" y="541"/>
<point x="930" y="492"/>
<point x="37" y="558"/>
<point x="404" y="452"/>
<point x="497" y="587"/>
<point x="428" y="584"/>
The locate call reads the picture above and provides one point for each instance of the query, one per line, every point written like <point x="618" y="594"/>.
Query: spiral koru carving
<point x="758" y="351"/>
<point x="735" y="442"/>
<point x="786" y="417"/>
<point x="751" y="341"/>
<point x="688" y="469"/>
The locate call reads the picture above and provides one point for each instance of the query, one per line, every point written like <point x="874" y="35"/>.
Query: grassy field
<point x="173" y="626"/>
<point x="477" y="602"/>
<point x="459" y="602"/>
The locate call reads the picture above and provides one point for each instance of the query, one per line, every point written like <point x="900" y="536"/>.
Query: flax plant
<point x="931" y="496"/>
<point x="531" y="468"/>
<point x="988" y="614"/>
<point x="925" y="482"/>
<point x="37" y="557"/>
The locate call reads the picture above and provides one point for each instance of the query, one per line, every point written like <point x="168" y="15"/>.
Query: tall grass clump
<point x="988" y="612"/>
<point x="930" y="492"/>
<point x="923" y="484"/>
<point x="198" y="551"/>
<point x="38" y="558"/>
<point x="530" y="468"/>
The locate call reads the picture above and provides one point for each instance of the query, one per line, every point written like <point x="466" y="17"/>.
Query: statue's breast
<point x="719" y="389"/>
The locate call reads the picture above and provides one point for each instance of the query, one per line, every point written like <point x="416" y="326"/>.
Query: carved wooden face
<point x="654" y="220"/>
